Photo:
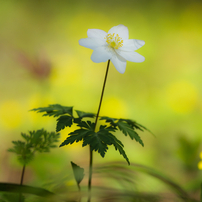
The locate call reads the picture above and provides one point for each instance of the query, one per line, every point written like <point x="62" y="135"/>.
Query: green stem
<point x="21" y="181"/>
<point x="79" y="200"/>
<point x="90" y="174"/>
<point x="96" y="120"/>
<point x="103" y="89"/>
<point x="22" y="175"/>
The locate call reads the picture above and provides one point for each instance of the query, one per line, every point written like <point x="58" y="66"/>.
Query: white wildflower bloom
<point x="114" y="46"/>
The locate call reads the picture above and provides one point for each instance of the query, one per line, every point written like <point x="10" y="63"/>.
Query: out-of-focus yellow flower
<point x="200" y="162"/>
<point x="114" y="46"/>
<point x="200" y="155"/>
<point x="200" y="165"/>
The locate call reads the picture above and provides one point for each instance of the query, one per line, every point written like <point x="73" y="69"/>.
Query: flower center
<point x="114" y="41"/>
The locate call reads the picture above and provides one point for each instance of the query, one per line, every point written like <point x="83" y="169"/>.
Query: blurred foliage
<point x="11" y="197"/>
<point x="78" y="173"/>
<point x="39" y="140"/>
<point x="127" y="177"/>
<point x="188" y="151"/>
<point x="107" y="177"/>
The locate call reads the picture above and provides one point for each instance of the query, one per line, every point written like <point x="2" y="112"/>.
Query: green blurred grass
<point x="163" y="93"/>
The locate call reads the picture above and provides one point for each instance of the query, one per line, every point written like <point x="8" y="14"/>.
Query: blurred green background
<point x="42" y="63"/>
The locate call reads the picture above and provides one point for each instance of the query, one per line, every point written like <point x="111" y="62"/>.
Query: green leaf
<point x="86" y="128"/>
<point x="86" y="124"/>
<point x="118" y="146"/>
<point x="26" y="137"/>
<point x="16" y="188"/>
<point x="36" y="137"/>
<point x="78" y="172"/>
<point x="107" y="128"/>
<point x="54" y="110"/>
<point x="112" y="121"/>
<point x="133" y="124"/>
<point x="121" y="151"/>
<point x="97" y="142"/>
<point x="75" y="136"/>
<point x="136" y="125"/>
<point x="82" y="114"/>
<point x="23" y="152"/>
<point x="128" y="130"/>
<point x="63" y="121"/>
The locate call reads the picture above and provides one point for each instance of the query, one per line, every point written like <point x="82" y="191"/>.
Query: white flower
<point x="114" y="46"/>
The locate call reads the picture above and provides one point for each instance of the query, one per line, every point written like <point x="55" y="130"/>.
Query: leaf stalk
<point x="96" y="120"/>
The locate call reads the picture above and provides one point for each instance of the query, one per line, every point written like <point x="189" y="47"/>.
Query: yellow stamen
<point x="114" y="41"/>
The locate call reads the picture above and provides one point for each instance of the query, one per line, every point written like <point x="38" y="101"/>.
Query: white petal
<point x="96" y="33"/>
<point x="121" y="30"/>
<point x="132" y="44"/>
<point x="119" y="63"/>
<point x="131" y="56"/>
<point x="101" y="54"/>
<point x="92" y="43"/>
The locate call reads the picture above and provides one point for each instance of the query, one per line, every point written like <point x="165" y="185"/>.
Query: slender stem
<point x="22" y="175"/>
<point x="90" y="174"/>
<point x="91" y="152"/>
<point x="21" y="182"/>
<point x="79" y="200"/>
<point x="103" y="88"/>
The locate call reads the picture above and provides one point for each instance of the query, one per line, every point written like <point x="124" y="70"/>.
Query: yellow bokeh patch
<point x="200" y="155"/>
<point x="114" y="107"/>
<point x="200" y="162"/>
<point x="200" y="165"/>
<point x="182" y="96"/>
<point x="11" y="114"/>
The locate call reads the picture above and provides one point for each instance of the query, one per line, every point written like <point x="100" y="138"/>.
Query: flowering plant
<point x="114" y="46"/>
